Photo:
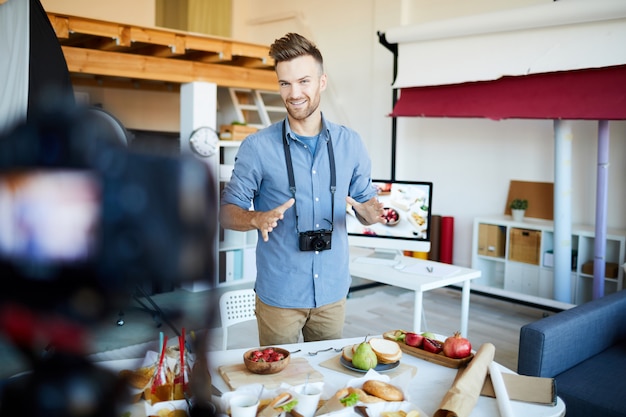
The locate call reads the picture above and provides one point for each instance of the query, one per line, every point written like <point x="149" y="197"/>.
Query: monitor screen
<point x="408" y="211"/>
<point x="49" y="216"/>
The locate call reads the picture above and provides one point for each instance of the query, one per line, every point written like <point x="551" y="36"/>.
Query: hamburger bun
<point x="383" y="390"/>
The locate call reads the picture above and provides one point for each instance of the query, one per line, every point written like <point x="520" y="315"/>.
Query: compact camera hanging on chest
<point x="312" y="240"/>
<point x="315" y="240"/>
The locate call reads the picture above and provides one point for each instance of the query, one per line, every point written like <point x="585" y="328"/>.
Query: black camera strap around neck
<point x="292" y="182"/>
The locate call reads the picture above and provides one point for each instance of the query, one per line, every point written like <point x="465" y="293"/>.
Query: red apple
<point x="413" y="339"/>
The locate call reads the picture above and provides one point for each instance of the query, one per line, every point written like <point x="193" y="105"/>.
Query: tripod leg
<point x="155" y="313"/>
<point x="157" y="310"/>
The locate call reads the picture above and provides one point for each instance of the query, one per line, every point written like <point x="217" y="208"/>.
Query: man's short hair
<point x="292" y="46"/>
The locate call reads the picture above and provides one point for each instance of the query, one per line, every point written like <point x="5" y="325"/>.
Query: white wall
<point x="471" y="161"/>
<point x="418" y="11"/>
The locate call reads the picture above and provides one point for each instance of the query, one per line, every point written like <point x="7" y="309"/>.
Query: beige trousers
<point x="278" y="326"/>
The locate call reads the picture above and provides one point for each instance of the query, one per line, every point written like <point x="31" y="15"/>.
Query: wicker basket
<point x="524" y="245"/>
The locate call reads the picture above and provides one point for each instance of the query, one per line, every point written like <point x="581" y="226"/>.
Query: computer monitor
<point x="408" y="211"/>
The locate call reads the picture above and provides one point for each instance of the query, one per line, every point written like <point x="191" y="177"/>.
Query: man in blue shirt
<point x="303" y="273"/>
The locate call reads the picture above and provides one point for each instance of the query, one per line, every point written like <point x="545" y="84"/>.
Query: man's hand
<point x="266" y="221"/>
<point x="369" y="212"/>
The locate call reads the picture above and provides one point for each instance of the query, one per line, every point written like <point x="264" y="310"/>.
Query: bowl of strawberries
<point x="267" y="360"/>
<point x="391" y="215"/>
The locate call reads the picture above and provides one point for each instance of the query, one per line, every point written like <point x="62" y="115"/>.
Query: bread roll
<point x="383" y="390"/>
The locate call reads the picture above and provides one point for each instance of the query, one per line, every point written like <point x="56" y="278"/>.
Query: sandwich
<point x="342" y="398"/>
<point x="282" y="403"/>
<point x="373" y="391"/>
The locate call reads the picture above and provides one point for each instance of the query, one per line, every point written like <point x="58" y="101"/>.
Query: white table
<point x="425" y="390"/>
<point x="397" y="276"/>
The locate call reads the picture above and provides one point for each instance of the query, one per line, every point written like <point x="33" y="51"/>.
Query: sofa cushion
<point x="596" y="387"/>
<point x="541" y="350"/>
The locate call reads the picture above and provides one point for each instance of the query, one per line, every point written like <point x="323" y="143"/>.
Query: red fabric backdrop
<point x="590" y="94"/>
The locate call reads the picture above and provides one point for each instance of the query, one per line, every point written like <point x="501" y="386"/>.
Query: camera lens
<point x="318" y="243"/>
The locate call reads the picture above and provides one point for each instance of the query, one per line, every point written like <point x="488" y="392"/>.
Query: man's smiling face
<point x="301" y="81"/>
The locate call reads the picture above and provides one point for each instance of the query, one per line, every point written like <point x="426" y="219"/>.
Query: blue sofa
<point x="584" y="349"/>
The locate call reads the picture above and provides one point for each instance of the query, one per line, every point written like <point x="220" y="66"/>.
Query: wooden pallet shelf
<point x="125" y="55"/>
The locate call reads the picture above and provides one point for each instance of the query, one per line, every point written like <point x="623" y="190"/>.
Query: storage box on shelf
<point x="237" y="259"/>
<point x="517" y="260"/>
<point x="524" y="245"/>
<point x="491" y="240"/>
<point x="236" y="132"/>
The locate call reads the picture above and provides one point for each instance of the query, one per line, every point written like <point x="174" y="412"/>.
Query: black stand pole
<point x="158" y="314"/>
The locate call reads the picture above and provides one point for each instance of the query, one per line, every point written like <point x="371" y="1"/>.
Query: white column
<point x="563" y="210"/>
<point x="198" y="108"/>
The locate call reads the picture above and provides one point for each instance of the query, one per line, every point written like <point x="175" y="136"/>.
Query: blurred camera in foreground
<point x="84" y="220"/>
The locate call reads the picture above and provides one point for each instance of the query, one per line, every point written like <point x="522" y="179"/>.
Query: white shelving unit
<point x="236" y="254"/>
<point x="524" y="270"/>
<point x="256" y="108"/>
<point x="201" y="103"/>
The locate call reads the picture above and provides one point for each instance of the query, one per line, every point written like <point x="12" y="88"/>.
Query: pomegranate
<point x="457" y="347"/>
<point x="432" y="345"/>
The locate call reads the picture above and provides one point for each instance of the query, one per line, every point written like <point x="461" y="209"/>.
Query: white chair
<point x="236" y="307"/>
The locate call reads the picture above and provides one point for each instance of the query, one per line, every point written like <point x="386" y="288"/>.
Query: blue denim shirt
<point x="286" y="276"/>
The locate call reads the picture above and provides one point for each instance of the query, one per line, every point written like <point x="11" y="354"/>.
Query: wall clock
<point x="203" y="141"/>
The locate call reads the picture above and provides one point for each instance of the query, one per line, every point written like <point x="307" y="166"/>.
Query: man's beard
<point x="303" y="113"/>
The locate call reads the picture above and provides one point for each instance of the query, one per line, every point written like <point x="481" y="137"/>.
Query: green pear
<point x="364" y="357"/>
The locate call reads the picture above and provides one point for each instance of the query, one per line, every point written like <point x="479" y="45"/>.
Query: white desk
<point x="425" y="390"/>
<point x="417" y="282"/>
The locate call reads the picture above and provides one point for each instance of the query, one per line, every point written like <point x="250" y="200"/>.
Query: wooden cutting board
<point x="294" y="374"/>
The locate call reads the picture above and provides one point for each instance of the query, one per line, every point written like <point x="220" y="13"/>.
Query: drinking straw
<point x="158" y="378"/>
<point x="181" y="346"/>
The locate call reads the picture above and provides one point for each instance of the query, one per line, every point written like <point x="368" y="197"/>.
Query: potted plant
<point x="518" y="208"/>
